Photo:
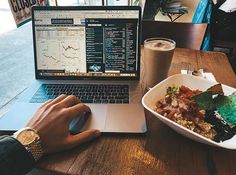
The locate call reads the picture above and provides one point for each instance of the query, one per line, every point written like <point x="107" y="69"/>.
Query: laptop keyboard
<point x="87" y="93"/>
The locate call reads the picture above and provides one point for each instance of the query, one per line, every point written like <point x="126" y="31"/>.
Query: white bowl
<point x="158" y="92"/>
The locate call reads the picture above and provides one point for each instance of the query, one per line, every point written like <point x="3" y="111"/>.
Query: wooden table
<point x="160" y="150"/>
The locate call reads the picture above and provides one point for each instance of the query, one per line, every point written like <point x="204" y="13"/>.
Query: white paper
<point x="228" y="6"/>
<point x="207" y="75"/>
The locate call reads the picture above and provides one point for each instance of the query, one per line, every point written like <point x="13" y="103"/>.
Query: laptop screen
<point x="86" y="42"/>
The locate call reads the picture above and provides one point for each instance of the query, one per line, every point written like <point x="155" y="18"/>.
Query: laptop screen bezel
<point x="59" y="8"/>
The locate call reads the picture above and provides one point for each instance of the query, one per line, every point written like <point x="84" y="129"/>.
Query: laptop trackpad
<point x="97" y="118"/>
<point x="128" y="118"/>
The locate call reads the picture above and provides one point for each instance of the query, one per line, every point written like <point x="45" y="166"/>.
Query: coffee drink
<point x="158" y="53"/>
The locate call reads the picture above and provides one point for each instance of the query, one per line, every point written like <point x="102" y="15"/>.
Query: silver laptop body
<point x="86" y="45"/>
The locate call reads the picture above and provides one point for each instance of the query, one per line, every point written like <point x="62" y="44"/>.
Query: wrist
<point x="30" y="139"/>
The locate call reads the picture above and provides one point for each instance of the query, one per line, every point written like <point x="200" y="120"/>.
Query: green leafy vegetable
<point x="204" y="100"/>
<point x="227" y="109"/>
<point x="172" y="91"/>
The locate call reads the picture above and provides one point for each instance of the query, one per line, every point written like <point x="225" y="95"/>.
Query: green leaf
<point x="226" y="107"/>
<point x="204" y="100"/>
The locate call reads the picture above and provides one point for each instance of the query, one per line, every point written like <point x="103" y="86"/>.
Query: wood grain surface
<point x="160" y="150"/>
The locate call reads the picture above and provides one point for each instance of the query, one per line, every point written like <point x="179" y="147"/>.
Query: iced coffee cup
<point x="158" y="53"/>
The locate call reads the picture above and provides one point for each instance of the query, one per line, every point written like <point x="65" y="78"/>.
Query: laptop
<point x="91" y="52"/>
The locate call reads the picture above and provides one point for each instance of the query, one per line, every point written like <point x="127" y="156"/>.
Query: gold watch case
<point x="26" y="136"/>
<point x="30" y="139"/>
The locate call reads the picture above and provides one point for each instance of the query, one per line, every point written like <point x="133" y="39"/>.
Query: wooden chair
<point x="186" y="35"/>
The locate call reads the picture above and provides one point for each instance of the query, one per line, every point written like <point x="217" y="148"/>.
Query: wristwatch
<point x="30" y="139"/>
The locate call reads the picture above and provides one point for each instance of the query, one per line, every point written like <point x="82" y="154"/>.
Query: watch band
<point x="35" y="149"/>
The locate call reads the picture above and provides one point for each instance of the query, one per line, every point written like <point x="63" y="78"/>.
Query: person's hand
<point x="52" y="119"/>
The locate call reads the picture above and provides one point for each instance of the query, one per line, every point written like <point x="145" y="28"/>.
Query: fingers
<point x="69" y="101"/>
<point x="63" y="101"/>
<point x="83" y="137"/>
<point x="46" y="103"/>
<point x="54" y="101"/>
<point x="76" y="109"/>
<point x="58" y="99"/>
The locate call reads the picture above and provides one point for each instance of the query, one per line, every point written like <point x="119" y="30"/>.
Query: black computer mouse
<point x="78" y="122"/>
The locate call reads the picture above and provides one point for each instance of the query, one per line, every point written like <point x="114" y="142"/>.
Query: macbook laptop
<point x="92" y="53"/>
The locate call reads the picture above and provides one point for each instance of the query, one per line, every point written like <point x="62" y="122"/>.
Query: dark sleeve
<point x="14" y="158"/>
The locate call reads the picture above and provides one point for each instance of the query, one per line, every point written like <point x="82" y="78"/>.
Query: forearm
<point x="14" y="158"/>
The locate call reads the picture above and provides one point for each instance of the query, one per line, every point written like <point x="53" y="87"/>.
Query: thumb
<point x="84" y="137"/>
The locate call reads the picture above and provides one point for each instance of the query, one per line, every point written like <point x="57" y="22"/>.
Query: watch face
<point x="26" y="137"/>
